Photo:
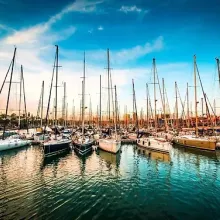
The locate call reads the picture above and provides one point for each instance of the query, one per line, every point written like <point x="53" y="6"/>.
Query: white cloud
<point x="100" y="28"/>
<point x="127" y="9"/>
<point x="32" y="34"/>
<point x="120" y="56"/>
<point x="139" y="51"/>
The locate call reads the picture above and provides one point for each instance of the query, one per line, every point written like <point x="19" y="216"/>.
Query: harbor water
<point x="134" y="184"/>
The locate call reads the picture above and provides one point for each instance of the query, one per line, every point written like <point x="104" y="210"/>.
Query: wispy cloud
<point x="127" y="9"/>
<point x="121" y="56"/>
<point x="32" y="34"/>
<point x="139" y="50"/>
<point x="100" y="28"/>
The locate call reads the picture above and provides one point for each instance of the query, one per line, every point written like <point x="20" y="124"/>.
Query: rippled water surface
<point x="131" y="185"/>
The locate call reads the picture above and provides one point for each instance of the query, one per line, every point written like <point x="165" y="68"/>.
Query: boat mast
<point x="135" y="107"/>
<point x="73" y="114"/>
<point x="90" y="111"/>
<point x="51" y="86"/>
<point x="147" y="105"/>
<point x="100" y="102"/>
<point x="66" y="114"/>
<point x="56" y="123"/>
<point x="19" y="110"/>
<point x="195" y="90"/>
<point x="115" y="118"/>
<point x="214" y="107"/>
<point x="42" y="103"/>
<point x="9" y="90"/>
<point x="64" y="104"/>
<point x="80" y="110"/>
<point x="83" y="95"/>
<point x="108" y="62"/>
<point x="202" y="113"/>
<point x="177" y="115"/>
<point x="187" y="100"/>
<point x="25" y="107"/>
<point x="155" y="98"/>
<point x="164" y="104"/>
<point x="126" y="117"/>
<point x="6" y="76"/>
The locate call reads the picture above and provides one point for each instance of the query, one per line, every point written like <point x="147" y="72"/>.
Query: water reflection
<point x="155" y="155"/>
<point x="55" y="159"/>
<point x="133" y="184"/>
<point x="109" y="158"/>
<point x="196" y="152"/>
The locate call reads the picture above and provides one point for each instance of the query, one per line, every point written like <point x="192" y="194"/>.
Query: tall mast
<point x="177" y="115"/>
<point x="42" y="103"/>
<point x="90" y="111"/>
<point x="195" y="89"/>
<point x="51" y="86"/>
<point x="80" y="111"/>
<point x="66" y="114"/>
<point x="109" y="105"/>
<point x="64" y="103"/>
<point x="187" y="100"/>
<point x="214" y="106"/>
<point x="100" y="102"/>
<point x="126" y="117"/>
<point x="9" y="90"/>
<point x="83" y="94"/>
<point x="202" y="113"/>
<point x="56" y="85"/>
<point x="147" y="94"/>
<point x="73" y="114"/>
<point x="155" y="98"/>
<point x="19" y="110"/>
<point x="25" y="107"/>
<point x="164" y="104"/>
<point x="6" y="76"/>
<point x="135" y="107"/>
<point x="115" y="118"/>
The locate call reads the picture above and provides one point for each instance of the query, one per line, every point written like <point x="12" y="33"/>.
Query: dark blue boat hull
<point x="83" y="149"/>
<point x="50" y="150"/>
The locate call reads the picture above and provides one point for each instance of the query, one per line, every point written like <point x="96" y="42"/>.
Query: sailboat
<point x="13" y="141"/>
<point x="159" y="144"/>
<point x="112" y="143"/>
<point x="56" y="144"/>
<point x="83" y="144"/>
<point x="194" y="141"/>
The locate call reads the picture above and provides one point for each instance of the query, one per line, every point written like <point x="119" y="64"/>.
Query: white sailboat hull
<point x="9" y="144"/>
<point x="154" y="144"/>
<point x="110" y="145"/>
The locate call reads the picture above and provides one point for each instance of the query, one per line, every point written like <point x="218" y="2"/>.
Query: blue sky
<point x="135" y="31"/>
